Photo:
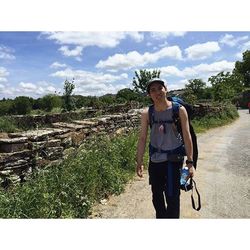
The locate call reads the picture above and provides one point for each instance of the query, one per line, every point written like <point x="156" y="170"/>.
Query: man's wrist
<point x="189" y="162"/>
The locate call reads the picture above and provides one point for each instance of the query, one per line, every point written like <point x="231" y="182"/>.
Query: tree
<point x="22" y="105"/>
<point x="50" y="101"/>
<point x="67" y="95"/>
<point x="225" y="86"/>
<point x="141" y="79"/>
<point x="243" y="68"/>
<point x="127" y="95"/>
<point x="196" y="87"/>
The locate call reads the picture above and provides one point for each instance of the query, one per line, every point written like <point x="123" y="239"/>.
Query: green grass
<point x="7" y="125"/>
<point x="95" y="171"/>
<point x="228" y="115"/>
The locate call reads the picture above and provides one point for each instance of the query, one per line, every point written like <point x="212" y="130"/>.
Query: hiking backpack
<point x="177" y="103"/>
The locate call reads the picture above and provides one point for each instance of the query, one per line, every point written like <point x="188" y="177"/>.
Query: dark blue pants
<point x="164" y="178"/>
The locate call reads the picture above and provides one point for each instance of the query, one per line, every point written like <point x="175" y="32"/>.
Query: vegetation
<point x="141" y="79"/>
<point x="7" y="125"/>
<point x="68" y="104"/>
<point x="70" y="189"/>
<point x="213" y="120"/>
<point x="243" y="68"/>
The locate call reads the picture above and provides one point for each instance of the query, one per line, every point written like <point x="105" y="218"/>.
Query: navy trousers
<point x="164" y="178"/>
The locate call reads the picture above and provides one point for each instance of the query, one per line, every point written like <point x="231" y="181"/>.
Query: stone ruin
<point x="22" y="152"/>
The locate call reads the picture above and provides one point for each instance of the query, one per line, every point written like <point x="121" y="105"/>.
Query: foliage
<point x="22" y="105"/>
<point x="141" y="79"/>
<point x="196" y="88"/>
<point x="7" y="125"/>
<point x="50" y="101"/>
<point x="5" y="107"/>
<point x="68" y="104"/>
<point x="107" y="100"/>
<point x="189" y="96"/>
<point x="212" y="120"/>
<point x="243" y="68"/>
<point x="225" y="86"/>
<point x="97" y="170"/>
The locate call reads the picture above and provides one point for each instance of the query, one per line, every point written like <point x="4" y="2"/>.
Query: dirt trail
<point x="222" y="177"/>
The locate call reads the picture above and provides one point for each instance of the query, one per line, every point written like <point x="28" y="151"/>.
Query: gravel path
<point x="222" y="177"/>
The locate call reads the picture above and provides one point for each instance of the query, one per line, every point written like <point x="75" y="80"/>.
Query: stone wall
<point x="22" y="152"/>
<point x="25" y="151"/>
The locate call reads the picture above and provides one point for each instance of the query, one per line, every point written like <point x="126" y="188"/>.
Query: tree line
<point x="225" y="86"/>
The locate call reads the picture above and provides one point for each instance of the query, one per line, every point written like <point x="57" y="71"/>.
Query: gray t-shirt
<point x="164" y="135"/>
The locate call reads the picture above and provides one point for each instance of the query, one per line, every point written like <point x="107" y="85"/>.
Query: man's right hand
<point x="139" y="170"/>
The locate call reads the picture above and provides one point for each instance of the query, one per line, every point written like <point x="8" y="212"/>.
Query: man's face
<point x="157" y="91"/>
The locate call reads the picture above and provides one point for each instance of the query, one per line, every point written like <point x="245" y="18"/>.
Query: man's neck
<point x="162" y="105"/>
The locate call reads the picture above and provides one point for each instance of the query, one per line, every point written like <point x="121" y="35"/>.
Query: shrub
<point x="96" y="170"/>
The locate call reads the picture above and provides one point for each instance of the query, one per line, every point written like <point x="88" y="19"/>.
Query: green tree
<point x="107" y="99"/>
<point x="22" y="105"/>
<point x="225" y="86"/>
<point x="196" y="87"/>
<point x="67" y="95"/>
<point x="243" y="68"/>
<point x="127" y="95"/>
<point x="141" y="79"/>
<point x="5" y="107"/>
<point x="189" y="97"/>
<point x="50" y="101"/>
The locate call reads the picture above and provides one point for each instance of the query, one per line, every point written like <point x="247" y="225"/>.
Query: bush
<point x="98" y="169"/>
<point x="213" y="120"/>
<point x="22" y="105"/>
<point x="7" y="125"/>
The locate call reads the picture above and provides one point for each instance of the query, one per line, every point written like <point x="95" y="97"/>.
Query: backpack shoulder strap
<point x="176" y="107"/>
<point x="151" y="115"/>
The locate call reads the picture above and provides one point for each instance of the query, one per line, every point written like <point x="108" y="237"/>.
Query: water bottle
<point x="184" y="175"/>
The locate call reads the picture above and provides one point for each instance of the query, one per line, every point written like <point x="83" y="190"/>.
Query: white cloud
<point x="3" y="79"/>
<point x="202" y="50"/>
<point x="28" y="89"/>
<point x="171" y="71"/>
<point x="201" y="70"/>
<point x="231" y="41"/>
<point x="76" y="52"/>
<point x="135" y="59"/>
<point x="3" y="74"/>
<point x="163" y="35"/>
<point x="246" y="46"/>
<point x="85" y="39"/>
<point x="56" y="65"/>
<point x="6" y="53"/>
<point x="90" y="83"/>
<point x="100" y="39"/>
<point x="214" y="68"/>
<point x="28" y="86"/>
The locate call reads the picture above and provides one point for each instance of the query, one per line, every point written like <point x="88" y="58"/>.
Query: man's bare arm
<point x="142" y="142"/>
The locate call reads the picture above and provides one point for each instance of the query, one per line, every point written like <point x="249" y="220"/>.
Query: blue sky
<point x="37" y="63"/>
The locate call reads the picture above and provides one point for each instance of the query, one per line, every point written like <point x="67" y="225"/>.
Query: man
<point x="164" y="173"/>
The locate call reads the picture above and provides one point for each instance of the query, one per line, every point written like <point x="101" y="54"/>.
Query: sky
<point x="37" y="63"/>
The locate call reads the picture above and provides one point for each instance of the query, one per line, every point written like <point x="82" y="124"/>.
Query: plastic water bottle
<point x="184" y="175"/>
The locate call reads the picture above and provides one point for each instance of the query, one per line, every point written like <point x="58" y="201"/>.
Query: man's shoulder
<point x="145" y="110"/>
